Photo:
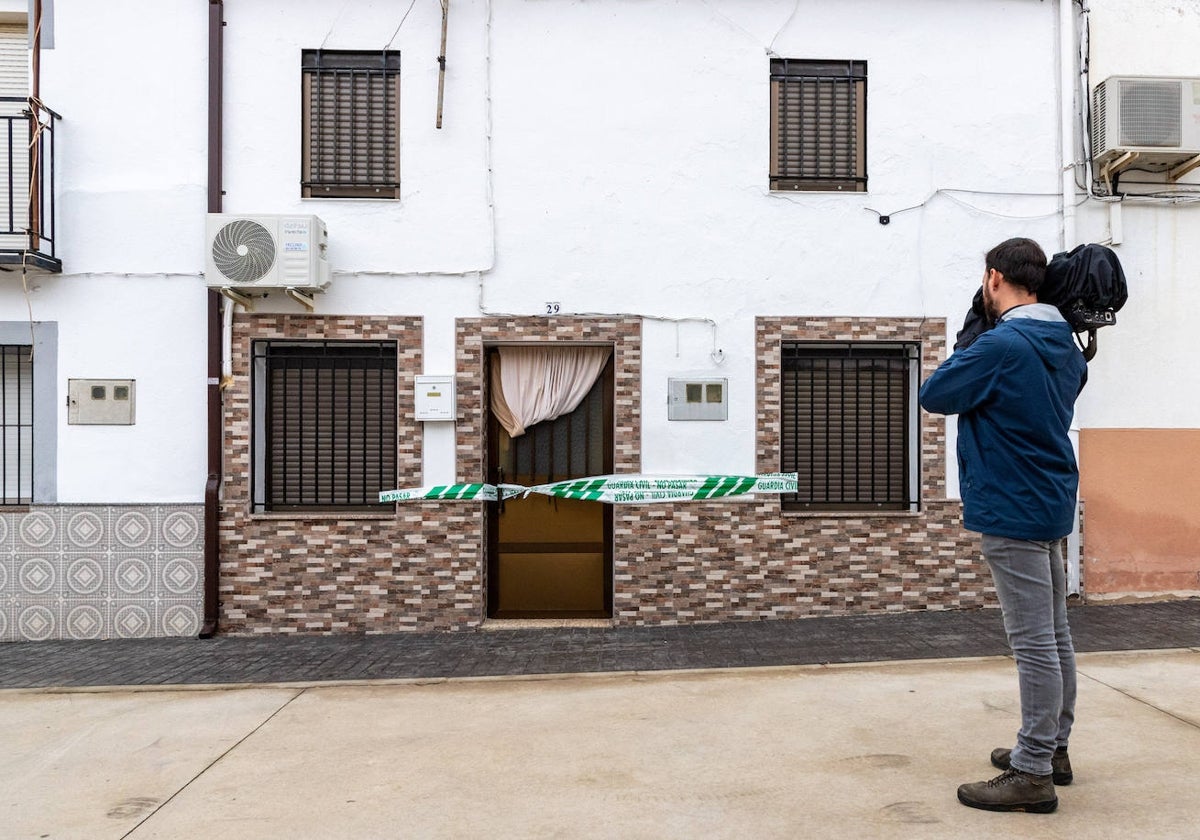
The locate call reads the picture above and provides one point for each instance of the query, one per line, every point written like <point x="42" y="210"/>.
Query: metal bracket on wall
<point x="237" y="297"/>
<point x="1183" y="168"/>
<point x="301" y="298"/>
<point x="1114" y="167"/>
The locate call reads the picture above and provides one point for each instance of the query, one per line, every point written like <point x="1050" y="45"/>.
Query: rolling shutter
<point x="818" y="128"/>
<point x="14" y="136"/>
<point x="846" y="425"/>
<point x="16" y="428"/>
<point x="351" y="124"/>
<point x="330" y="423"/>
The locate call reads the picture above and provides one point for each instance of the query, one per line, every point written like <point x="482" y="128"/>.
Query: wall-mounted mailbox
<point x="697" y="399"/>
<point x="100" y="402"/>
<point x="435" y="398"/>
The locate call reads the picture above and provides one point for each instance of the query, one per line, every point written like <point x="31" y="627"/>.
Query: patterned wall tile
<point x="37" y="619"/>
<point x="84" y="621"/>
<point x="85" y="574"/>
<point x="178" y="618"/>
<point x="101" y="571"/>
<point x="37" y="575"/>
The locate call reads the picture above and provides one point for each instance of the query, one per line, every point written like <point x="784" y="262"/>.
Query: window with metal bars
<point x="847" y="427"/>
<point x="325" y="424"/>
<point x="818" y="125"/>
<point x="351" y="124"/>
<point x="16" y="424"/>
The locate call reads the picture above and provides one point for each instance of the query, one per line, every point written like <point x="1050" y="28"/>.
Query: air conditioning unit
<point x="266" y="252"/>
<point x="1157" y="118"/>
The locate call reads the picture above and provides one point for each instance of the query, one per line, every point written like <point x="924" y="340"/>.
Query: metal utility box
<point x="435" y="398"/>
<point x="697" y="399"/>
<point x="100" y="402"/>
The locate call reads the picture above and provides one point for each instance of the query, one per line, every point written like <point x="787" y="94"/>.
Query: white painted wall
<point x="1144" y="375"/>
<point x="627" y="144"/>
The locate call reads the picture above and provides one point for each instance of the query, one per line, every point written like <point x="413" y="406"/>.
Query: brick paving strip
<point x="573" y="649"/>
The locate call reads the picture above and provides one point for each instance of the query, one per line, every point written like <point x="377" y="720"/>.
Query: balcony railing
<point x="27" y="186"/>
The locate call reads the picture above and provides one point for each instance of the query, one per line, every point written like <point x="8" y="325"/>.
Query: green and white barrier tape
<point x="615" y="489"/>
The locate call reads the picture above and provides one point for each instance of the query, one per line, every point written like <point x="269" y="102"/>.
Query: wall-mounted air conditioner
<point x="266" y="252"/>
<point x="1157" y="119"/>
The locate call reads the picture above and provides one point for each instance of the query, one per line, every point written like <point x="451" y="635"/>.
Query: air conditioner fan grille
<point x="243" y="251"/>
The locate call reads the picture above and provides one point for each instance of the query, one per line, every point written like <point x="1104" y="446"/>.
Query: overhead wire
<point x="400" y="24"/>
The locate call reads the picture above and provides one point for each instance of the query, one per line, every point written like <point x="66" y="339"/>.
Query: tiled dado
<point x="101" y="571"/>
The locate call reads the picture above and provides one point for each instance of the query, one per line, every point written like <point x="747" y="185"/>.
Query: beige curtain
<point x="532" y="384"/>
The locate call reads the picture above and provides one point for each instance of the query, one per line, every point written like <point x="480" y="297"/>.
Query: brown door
<point x="547" y="557"/>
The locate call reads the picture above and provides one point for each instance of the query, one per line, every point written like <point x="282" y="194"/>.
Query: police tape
<point x="614" y="489"/>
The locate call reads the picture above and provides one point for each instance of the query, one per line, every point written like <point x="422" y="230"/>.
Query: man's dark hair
<point x="1021" y="261"/>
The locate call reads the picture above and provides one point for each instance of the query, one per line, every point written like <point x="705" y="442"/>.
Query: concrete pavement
<point x="858" y="750"/>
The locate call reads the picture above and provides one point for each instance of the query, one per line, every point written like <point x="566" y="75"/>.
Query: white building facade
<point x="782" y="204"/>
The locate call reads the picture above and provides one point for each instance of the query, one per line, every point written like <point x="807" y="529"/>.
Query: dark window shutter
<point x="351" y="124"/>
<point x="818" y="127"/>
<point x="846" y="425"/>
<point x="330" y="424"/>
<point x="16" y="424"/>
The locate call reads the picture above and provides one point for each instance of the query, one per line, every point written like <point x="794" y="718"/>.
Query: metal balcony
<point x="27" y="186"/>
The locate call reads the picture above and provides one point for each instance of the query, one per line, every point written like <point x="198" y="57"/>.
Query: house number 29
<point x="552" y="307"/>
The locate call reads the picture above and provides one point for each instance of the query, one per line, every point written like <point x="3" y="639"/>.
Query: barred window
<point x="849" y="416"/>
<point x="351" y="124"/>
<point x="325" y="424"/>
<point x="818" y="125"/>
<point x="16" y="424"/>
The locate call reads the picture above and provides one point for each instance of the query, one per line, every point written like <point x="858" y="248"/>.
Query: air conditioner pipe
<point x="227" y="344"/>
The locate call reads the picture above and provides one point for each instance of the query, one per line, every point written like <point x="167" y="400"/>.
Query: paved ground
<point x="712" y="749"/>
<point x="560" y="650"/>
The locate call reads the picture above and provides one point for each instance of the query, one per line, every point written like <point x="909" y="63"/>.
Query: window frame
<point x="382" y="66"/>
<point x="802" y="73"/>
<point x="907" y="375"/>
<point x="323" y="467"/>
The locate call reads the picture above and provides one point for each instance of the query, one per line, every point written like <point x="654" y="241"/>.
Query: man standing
<point x="1014" y="390"/>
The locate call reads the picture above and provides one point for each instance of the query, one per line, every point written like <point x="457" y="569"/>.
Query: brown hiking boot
<point x="1060" y="764"/>
<point x="1012" y="790"/>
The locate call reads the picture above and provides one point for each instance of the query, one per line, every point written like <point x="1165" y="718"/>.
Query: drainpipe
<point x="212" y="487"/>
<point x="1068" y="74"/>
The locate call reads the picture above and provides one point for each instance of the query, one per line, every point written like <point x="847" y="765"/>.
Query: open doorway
<point x="548" y="557"/>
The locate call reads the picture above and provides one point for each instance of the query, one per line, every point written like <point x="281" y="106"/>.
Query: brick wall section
<point x="423" y="569"/>
<point x="742" y="561"/>
<point x="419" y="569"/>
<point x="624" y="335"/>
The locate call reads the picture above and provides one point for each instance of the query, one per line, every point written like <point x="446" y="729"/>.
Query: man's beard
<point x="989" y="304"/>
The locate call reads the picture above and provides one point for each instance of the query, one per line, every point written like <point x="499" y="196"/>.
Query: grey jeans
<point x="1031" y="584"/>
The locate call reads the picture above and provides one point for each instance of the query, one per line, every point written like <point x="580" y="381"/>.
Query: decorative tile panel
<point x="101" y="572"/>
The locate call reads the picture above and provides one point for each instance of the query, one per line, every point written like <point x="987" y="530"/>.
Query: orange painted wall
<point x="1141" y="493"/>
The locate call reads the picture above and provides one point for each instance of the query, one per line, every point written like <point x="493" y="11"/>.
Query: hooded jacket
<point x="1014" y="390"/>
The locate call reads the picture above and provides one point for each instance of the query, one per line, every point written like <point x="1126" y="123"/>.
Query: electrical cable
<point x="333" y="25"/>
<point x="401" y="23"/>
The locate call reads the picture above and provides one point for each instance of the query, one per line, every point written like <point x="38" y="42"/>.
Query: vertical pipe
<point x="442" y="60"/>
<point x="1066" y="100"/>
<point x="212" y="486"/>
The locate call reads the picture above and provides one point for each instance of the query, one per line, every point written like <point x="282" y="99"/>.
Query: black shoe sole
<point x="1060" y="779"/>
<point x="1047" y="807"/>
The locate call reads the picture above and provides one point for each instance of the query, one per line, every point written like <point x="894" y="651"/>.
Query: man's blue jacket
<point x="1014" y="390"/>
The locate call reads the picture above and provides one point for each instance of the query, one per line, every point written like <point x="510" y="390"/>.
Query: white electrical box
<point x="435" y="398"/>
<point x="697" y="399"/>
<point x="100" y="402"/>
